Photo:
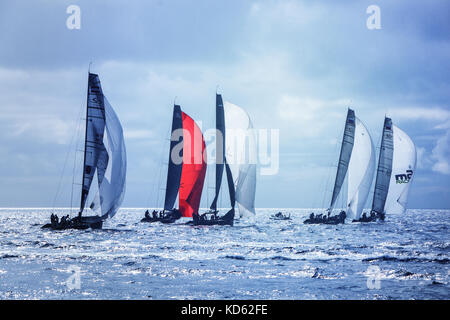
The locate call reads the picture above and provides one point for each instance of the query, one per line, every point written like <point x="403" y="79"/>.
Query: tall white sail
<point x="360" y="170"/>
<point x="112" y="186"/>
<point x="105" y="155"/>
<point x="403" y="168"/>
<point x="241" y="155"/>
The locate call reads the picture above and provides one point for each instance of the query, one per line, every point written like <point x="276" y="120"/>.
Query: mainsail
<point x="194" y="167"/>
<point x="220" y="148"/>
<point x="384" y="169"/>
<point x="345" y="155"/>
<point x="175" y="160"/>
<point x="241" y="153"/>
<point x="403" y="168"/>
<point x="221" y="157"/>
<point x="104" y="153"/>
<point x="360" y="170"/>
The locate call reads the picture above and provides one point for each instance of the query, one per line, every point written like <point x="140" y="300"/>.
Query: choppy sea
<point x="405" y="257"/>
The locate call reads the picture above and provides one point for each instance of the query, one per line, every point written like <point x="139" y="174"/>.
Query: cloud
<point x="285" y="13"/>
<point x="441" y="155"/>
<point x="438" y="118"/>
<point x="438" y="114"/>
<point x="309" y="116"/>
<point x="293" y="65"/>
<point x="43" y="129"/>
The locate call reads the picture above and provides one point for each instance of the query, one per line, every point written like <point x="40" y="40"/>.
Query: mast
<point x="174" y="169"/>
<point x="344" y="156"/>
<point x="85" y="142"/>
<point x="220" y="148"/>
<point x="384" y="169"/>
<point x="95" y="129"/>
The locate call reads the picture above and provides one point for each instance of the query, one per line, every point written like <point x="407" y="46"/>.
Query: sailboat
<point x="186" y="170"/>
<point x="396" y="166"/>
<point x="236" y="154"/>
<point x="104" y="161"/>
<point x="357" y="162"/>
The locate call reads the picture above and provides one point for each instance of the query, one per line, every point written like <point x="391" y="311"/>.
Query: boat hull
<point x="226" y="220"/>
<point x="92" y="222"/>
<point x="333" y="220"/>
<point x="280" y="216"/>
<point x="164" y="217"/>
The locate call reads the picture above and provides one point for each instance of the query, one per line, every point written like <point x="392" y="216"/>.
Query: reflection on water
<point x="265" y="259"/>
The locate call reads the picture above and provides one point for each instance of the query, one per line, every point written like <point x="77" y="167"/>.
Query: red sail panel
<point x="194" y="167"/>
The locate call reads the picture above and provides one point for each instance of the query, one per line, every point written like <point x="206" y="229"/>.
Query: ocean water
<point x="405" y="257"/>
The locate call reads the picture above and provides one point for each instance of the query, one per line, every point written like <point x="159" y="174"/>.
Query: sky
<point x="294" y="66"/>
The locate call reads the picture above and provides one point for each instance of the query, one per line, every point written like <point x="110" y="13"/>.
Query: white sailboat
<point x="357" y="162"/>
<point x="396" y="165"/>
<point x="236" y="152"/>
<point x="104" y="162"/>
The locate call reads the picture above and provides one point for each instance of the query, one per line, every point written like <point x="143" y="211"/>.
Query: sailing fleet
<point x="357" y="164"/>
<point x="104" y="169"/>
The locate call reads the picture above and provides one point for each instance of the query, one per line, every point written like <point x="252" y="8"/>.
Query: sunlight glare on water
<point x="266" y="260"/>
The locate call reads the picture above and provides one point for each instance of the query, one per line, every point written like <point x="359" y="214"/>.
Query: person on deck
<point x="342" y="216"/>
<point x="364" y="217"/>
<point x="63" y="222"/>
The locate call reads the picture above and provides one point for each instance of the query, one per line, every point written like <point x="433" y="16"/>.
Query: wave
<point x="410" y="259"/>
<point x="235" y="257"/>
<point x="7" y="256"/>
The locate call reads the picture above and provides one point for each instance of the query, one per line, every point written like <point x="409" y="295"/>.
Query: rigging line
<point x="160" y="162"/>
<point x="72" y="139"/>
<point x="77" y="133"/>
<point x="155" y="184"/>
<point x="207" y="187"/>
<point x="330" y="174"/>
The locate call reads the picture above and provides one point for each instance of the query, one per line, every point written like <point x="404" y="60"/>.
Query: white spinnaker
<point x="112" y="188"/>
<point x="403" y="168"/>
<point x="360" y="170"/>
<point x="241" y="153"/>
